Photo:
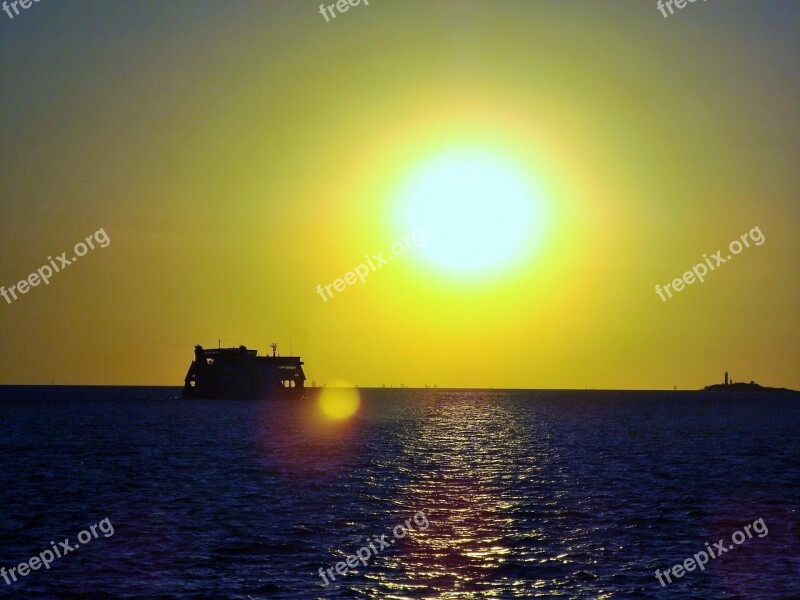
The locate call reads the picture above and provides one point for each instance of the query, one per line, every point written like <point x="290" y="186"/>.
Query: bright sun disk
<point x="478" y="210"/>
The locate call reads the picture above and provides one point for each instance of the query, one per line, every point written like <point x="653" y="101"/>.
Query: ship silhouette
<point x="242" y="373"/>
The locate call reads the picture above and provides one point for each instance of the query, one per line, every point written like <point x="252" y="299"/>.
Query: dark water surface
<point x="525" y="494"/>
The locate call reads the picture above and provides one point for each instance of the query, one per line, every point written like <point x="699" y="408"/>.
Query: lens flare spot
<point x="339" y="403"/>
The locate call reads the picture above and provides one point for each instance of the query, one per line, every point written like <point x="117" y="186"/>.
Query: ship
<point x="240" y="373"/>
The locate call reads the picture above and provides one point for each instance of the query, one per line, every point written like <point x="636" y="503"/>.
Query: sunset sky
<point x="561" y="157"/>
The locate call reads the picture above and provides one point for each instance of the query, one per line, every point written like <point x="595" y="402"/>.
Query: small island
<point x="730" y="386"/>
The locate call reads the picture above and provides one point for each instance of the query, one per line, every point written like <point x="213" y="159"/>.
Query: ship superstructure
<point x="242" y="373"/>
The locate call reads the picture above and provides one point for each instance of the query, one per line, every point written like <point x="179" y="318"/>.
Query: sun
<point x="479" y="210"/>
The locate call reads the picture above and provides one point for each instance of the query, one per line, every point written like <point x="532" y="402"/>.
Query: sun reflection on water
<point x="467" y="447"/>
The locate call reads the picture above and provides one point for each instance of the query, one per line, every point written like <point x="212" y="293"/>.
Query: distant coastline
<point x="69" y="393"/>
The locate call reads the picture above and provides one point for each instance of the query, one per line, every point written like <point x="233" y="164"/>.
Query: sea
<point x="442" y="493"/>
